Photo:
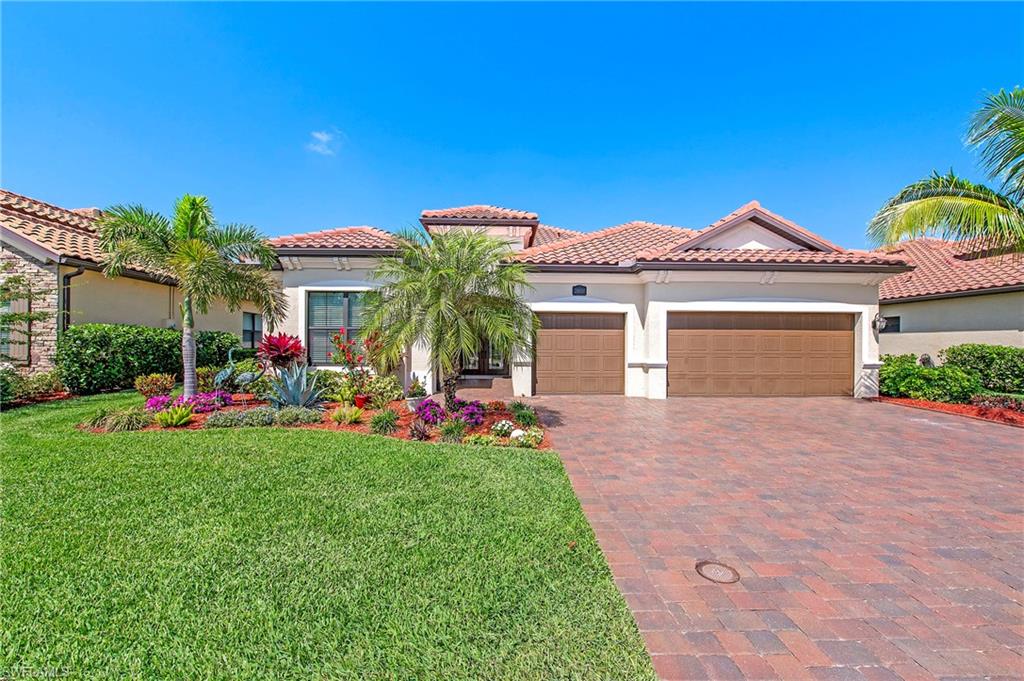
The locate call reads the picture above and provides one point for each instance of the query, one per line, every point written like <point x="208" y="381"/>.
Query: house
<point x="954" y="294"/>
<point x="58" y="251"/>
<point x="752" y="304"/>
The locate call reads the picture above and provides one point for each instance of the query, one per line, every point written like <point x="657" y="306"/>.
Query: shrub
<point x="175" y="416"/>
<point x="281" y="350"/>
<point x="93" y="358"/>
<point x="472" y="413"/>
<point x="999" y="401"/>
<point x="503" y="428"/>
<point x="518" y="406"/>
<point x="496" y="405"/>
<point x="900" y="376"/>
<point x="293" y="388"/>
<point x="430" y="412"/>
<point x="419" y="430"/>
<point x="151" y="385"/>
<point x="124" y="421"/>
<point x="158" y="402"/>
<point x="347" y="414"/>
<point x="203" y="403"/>
<point x="530" y="439"/>
<point x="9" y="382"/>
<point x="384" y="422"/>
<point x="384" y="389"/>
<point x="453" y="430"/>
<point x="1000" y="367"/>
<point x="98" y="418"/>
<point x="525" y="417"/>
<point x="37" y="385"/>
<point x="346" y="394"/>
<point x="297" y="416"/>
<point x="481" y="439"/>
<point x="205" y="379"/>
<point x="250" y="418"/>
<point x="331" y="382"/>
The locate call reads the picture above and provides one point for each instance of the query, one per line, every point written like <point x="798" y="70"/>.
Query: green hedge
<point x="93" y="358"/>
<point x="1000" y="367"/>
<point x="900" y="376"/>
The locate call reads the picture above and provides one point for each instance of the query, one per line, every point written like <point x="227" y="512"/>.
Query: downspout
<point x="65" y="318"/>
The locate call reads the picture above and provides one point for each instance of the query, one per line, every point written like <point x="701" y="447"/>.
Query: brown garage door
<point x="769" y="354"/>
<point x="581" y="353"/>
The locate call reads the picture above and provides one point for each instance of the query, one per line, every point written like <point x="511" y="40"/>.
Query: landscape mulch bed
<point x="994" y="414"/>
<point x="49" y="397"/>
<point x="405" y="419"/>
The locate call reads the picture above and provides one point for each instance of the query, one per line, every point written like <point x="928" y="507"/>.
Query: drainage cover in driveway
<point x="717" y="572"/>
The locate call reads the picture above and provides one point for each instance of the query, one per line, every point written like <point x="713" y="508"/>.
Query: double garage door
<point x="709" y="354"/>
<point x="764" y="354"/>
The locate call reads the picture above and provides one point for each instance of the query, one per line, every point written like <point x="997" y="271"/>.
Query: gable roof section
<point x="946" y="269"/>
<point x="773" y="222"/>
<point x="59" y="232"/>
<point x="611" y="246"/>
<point x="547" y="234"/>
<point x="361" y="238"/>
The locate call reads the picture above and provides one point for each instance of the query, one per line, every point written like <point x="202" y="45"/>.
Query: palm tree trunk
<point x="188" y="348"/>
<point x="449" y="383"/>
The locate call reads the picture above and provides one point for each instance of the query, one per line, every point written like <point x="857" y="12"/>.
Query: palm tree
<point x="205" y="260"/>
<point x="962" y="210"/>
<point x="448" y="292"/>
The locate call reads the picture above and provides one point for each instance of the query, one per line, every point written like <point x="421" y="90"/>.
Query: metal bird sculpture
<point x="241" y="381"/>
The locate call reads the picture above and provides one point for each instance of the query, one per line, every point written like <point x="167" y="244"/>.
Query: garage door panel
<point x="580" y="353"/>
<point x="760" y="354"/>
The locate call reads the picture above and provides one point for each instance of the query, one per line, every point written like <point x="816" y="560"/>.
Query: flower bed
<point x="405" y="420"/>
<point x="994" y="414"/>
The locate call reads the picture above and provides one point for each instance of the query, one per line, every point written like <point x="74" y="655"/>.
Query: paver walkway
<point x="874" y="541"/>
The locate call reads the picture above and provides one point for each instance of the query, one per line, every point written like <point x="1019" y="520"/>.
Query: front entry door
<point x="485" y="362"/>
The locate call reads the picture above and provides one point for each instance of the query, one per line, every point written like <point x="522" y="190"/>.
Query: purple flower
<point x="430" y="412"/>
<point x="158" y="402"/>
<point x="472" y="413"/>
<point x="205" y="402"/>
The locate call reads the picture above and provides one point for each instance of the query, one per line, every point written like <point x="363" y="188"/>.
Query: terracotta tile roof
<point x="754" y="207"/>
<point x="945" y="267"/>
<point x="771" y="256"/>
<point x="480" y="212"/>
<point x="67" y="233"/>
<point x="546" y="234"/>
<point x="609" y="246"/>
<point x="361" y="237"/>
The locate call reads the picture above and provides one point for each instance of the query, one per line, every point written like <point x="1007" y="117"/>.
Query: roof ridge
<point x="511" y="213"/>
<point x="584" y="236"/>
<point x="42" y="210"/>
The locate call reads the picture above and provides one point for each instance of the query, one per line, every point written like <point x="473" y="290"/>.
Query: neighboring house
<point x="952" y="296"/>
<point x="751" y="305"/>
<point x="58" y="251"/>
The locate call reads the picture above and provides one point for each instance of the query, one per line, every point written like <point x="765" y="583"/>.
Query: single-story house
<point x="753" y="304"/>
<point x="58" y="251"/>
<point x="954" y="295"/>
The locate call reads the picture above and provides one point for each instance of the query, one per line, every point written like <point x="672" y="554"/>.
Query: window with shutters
<point x="326" y="312"/>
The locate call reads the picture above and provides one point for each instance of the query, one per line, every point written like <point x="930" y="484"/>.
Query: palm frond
<point x="954" y="208"/>
<point x="241" y="243"/>
<point x="193" y="217"/>
<point x="997" y="131"/>
<point x="133" y="238"/>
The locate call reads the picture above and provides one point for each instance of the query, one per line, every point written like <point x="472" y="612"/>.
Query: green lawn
<point x="295" y="554"/>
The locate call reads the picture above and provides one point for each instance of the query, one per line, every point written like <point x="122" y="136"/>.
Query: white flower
<point x="517" y="433"/>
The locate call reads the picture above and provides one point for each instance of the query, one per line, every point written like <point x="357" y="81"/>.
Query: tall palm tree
<point x="959" y="209"/>
<point x="207" y="261"/>
<point x="448" y="292"/>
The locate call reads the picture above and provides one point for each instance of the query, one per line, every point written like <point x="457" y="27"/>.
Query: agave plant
<point x="294" y="388"/>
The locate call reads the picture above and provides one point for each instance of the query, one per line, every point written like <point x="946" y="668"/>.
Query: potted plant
<point x="347" y="354"/>
<point x="415" y="395"/>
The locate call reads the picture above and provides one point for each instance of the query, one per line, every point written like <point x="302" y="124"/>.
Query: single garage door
<point x="581" y="353"/>
<point x="766" y="354"/>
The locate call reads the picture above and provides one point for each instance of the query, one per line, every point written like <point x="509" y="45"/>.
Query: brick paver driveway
<point x="874" y="541"/>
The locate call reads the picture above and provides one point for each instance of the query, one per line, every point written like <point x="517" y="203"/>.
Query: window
<point x="326" y="312"/>
<point x="252" y="329"/>
<point x="892" y="325"/>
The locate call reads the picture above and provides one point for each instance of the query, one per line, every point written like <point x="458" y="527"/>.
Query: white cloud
<point x="324" y="142"/>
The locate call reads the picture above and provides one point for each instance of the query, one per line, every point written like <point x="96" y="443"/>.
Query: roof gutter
<point x="1013" y="288"/>
<point x="800" y="267"/>
<point x="65" y="289"/>
<point x="130" y="274"/>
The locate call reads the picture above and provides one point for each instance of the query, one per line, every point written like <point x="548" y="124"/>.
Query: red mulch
<point x="994" y="414"/>
<point x="50" y="397"/>
<point x="405" y="419"/>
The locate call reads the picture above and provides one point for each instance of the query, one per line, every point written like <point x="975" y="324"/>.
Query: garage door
<point x="581" y="353"/>
<point x="729" y="353"/>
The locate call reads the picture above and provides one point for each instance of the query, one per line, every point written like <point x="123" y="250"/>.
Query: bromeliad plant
<point x="293" y="388"/>
<point x="281" y="350"/>
<point x="174" y="417"/>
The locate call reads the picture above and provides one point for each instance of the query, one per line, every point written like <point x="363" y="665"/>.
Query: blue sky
<point x="590" y="115"/>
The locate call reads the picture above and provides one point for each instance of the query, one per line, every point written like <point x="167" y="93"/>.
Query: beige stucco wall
<point x="928" y="326"/>
<point x="122" y="300"/>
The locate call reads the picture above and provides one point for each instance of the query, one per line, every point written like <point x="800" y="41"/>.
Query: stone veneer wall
<point x="42" y="277"/>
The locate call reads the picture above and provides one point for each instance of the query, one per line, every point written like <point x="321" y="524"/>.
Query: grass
<point x="295" y="554"/>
